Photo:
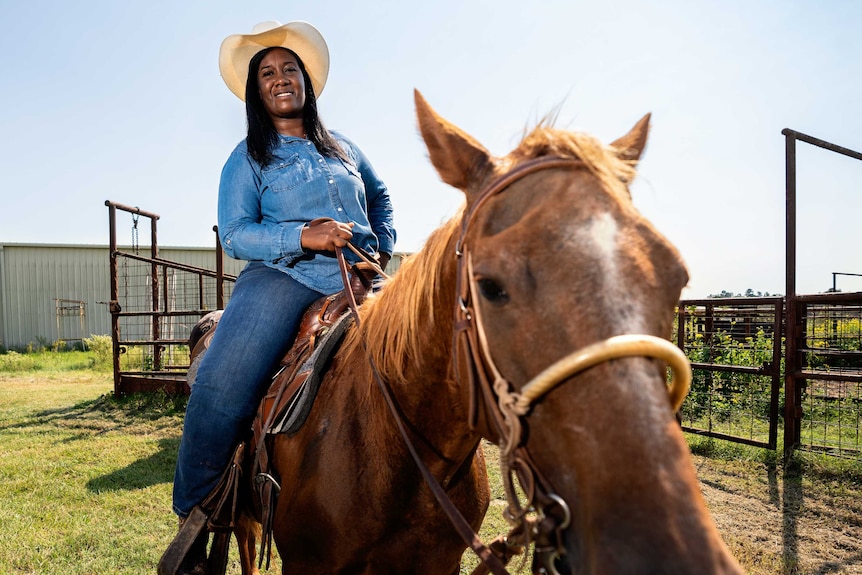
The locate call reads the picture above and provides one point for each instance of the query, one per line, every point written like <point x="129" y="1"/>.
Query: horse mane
<point x="398" y="321"/>
<point x="601" y="160"/>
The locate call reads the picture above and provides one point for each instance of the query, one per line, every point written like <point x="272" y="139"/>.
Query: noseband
<point x="497" y="409"/>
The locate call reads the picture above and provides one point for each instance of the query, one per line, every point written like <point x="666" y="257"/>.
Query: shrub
<point x="13" y="361"/>
<point x="102" y="347"/>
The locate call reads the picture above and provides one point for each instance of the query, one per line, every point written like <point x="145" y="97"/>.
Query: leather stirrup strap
<point x="172" y="558"/>
<point x="218" y="556"/>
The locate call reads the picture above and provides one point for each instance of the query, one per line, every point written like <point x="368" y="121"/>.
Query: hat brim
<point x="300" y="37"/>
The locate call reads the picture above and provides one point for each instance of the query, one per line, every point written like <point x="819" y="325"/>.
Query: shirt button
<point x="339" y="209"/>
<point x="320" y="160"/>
<point x="308" y="143"/>
<point x="331" y="182"/>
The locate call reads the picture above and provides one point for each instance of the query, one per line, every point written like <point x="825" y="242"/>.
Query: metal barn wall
<point x="34" y="276"/>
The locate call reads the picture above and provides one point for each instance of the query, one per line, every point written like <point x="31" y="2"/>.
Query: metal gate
<point x="749" y="353"/>
<point x="154" y="305"/>
<point x="734" y="345"/>
<point x="824" y="376"/>
<point x="822" y="385"/>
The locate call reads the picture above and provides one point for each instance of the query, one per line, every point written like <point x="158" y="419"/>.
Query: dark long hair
<point x="262" y="136"/>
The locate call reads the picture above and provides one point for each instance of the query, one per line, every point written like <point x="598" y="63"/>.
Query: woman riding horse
<point x="291" y="192"/>
<point x="536" y="318"/>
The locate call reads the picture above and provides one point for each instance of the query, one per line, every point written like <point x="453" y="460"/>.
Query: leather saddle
<point x="297" y="375"/>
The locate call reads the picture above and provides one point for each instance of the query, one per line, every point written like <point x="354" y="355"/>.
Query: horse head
<point x="553" y="258"/>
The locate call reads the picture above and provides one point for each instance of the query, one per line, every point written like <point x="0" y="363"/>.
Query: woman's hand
<point x="324" y="234"/>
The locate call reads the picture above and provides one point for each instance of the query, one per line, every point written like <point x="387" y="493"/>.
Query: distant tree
<point x="748" y="293"/>
<point x="724" y="293"/>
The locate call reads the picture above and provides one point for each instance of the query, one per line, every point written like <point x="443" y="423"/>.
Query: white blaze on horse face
<point x="601" y="235"/>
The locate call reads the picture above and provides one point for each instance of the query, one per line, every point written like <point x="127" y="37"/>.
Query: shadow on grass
<point x="153" y="470"/>
<point x="106" y="413"/>
<point x="145" y="413"/>
<point x="798" y="486"/>
<point x="838" y="566"/>
<point x="792" y="498"/>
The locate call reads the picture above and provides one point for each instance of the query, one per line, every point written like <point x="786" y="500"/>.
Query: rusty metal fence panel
<point x="154" y="305"/>
<point x="737" y="350"/>
<point x="829" y="378"/>
<point x="154" y="334"/>
<point x="734" y="345"/>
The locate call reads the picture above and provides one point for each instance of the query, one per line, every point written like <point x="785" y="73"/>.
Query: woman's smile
<point x="281" y="84"/>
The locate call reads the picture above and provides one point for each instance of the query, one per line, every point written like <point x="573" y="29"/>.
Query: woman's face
<point x="281" y="85"/>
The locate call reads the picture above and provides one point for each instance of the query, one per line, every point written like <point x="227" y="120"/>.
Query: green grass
<point x="46" y="362"/>
<point x="85" y="479"/>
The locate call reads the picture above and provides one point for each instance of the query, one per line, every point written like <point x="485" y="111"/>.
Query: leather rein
<point x="498" y="410"/>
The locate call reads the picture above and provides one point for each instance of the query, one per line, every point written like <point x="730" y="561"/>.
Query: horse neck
<point x="406" y="331"/>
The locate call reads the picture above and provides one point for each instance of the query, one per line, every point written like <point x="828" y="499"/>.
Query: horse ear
<point x="458" y="158"/>
<point x="631" y="146"/>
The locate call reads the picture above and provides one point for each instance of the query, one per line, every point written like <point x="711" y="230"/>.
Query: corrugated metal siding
<point x="199" y="257"/>
<point x="33" y="277"/>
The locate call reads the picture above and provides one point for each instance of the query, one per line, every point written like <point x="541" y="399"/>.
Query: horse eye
<point x="492" y="291"/>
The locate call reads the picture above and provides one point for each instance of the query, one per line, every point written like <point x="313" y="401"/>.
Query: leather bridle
<point x="498" y="410"/>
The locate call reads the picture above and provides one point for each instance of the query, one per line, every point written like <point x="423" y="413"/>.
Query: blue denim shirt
<point x="261" y="211"/>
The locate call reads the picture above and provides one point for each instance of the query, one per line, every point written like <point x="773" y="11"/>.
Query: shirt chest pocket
<point x="286" y="173"/>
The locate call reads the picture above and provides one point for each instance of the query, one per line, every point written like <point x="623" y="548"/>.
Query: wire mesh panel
<point x="831" y="359"/>
<point x="734" y="346"/>
<point x="153" y="336"/>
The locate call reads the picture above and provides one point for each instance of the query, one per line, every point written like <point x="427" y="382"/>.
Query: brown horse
<point x="537" y="265"/>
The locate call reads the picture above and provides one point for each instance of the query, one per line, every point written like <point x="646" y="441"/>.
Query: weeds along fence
<point x="749" y="378"/>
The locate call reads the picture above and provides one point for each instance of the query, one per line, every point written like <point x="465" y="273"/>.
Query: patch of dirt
<point x="784" y="521"/>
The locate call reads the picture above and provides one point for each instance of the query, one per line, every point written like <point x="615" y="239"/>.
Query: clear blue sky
<point x="122" y="101"/>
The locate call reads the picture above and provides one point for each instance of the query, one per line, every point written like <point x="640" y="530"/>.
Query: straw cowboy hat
<point x="300" y="37"/>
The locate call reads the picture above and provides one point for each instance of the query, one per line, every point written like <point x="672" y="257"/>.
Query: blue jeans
<point x="254" y="332"/>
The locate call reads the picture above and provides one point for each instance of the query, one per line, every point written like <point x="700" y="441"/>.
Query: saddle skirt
<point x="294" y="385"/>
